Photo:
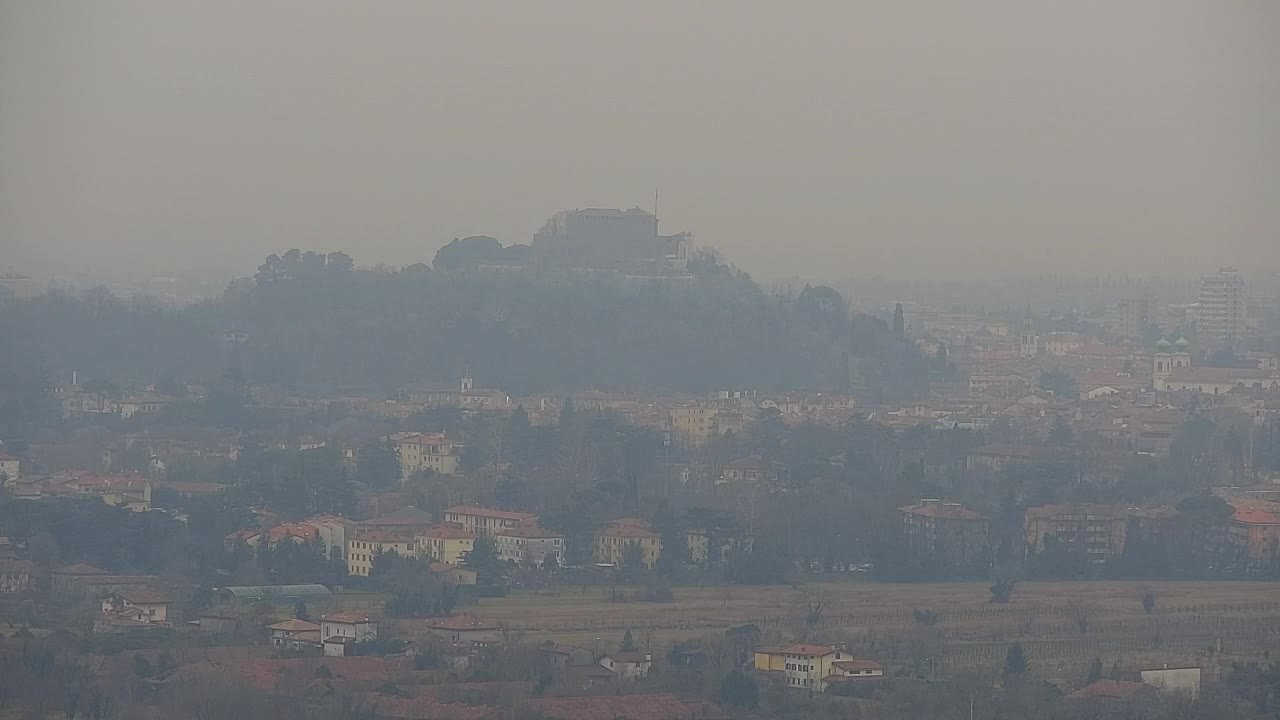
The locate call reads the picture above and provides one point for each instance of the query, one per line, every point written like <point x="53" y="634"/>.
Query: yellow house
<point x="423" y="451"/>
<point x="445" y="543"/>
<point x="695" y="424"/>
<point x="610" y="543"/>
<point x="362" y="549"/>
<point x="813" y="667"/>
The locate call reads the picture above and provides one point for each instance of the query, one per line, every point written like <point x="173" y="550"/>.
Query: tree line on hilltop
<point x="313" y="323"/>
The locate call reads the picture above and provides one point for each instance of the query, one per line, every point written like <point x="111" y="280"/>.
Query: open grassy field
<point x="1235" y="619"/>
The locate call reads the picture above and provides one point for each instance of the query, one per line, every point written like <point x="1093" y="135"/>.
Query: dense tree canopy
<point x="310" y="323"/>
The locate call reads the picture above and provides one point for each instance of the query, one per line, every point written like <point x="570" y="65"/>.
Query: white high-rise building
<point x="1220" y="314"/>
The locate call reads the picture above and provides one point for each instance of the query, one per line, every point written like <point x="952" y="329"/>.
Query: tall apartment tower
<point x="1220" y="316"/>
<point x="1135" y="316"/>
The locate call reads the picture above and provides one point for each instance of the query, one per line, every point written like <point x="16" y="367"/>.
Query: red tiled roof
<point x="408" y="515"/>
<point x="382" y="537"/>
<point x="143" y="596"/>
<point x="294" y="625"/>
<point x="346" y="618"/>
<point x="450" y="532"/>
<point x="489" y="512"/>
<point x="628" y="531"/>
<point x="529" y="531"/>
<point x="79" y="569"/>
<point x="292" y="530"/>
<point x="814" y="650"/>
<point x="1110" y="689"/>
<point x="1256" y="517"/>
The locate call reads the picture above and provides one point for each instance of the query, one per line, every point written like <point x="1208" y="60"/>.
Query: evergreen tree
<point x="300" y="611"/>
<point x="899" y="321"/>
<point x="632" y="559"/>
<point x="517" y="436"/>
<point x="378" y="464"/>
<point x="739" y="690"/>
<point x="1095" y="672"/>
<point x="1015" y="662"/>
<point x="675" y="540"/>
<point x="483" y="558"/>
<point x="628" y="643"/>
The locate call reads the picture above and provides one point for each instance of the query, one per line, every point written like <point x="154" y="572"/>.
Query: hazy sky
<point x="823" y="139"/>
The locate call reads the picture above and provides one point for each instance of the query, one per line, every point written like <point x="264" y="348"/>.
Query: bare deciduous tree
<point x="1148" y="597"/>
<point x="1080" y="612"/>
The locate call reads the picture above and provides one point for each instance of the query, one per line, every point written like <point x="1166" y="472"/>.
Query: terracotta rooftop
<point x="627" y="531"/>
<point x="449" y="532"/>
<point x="79" y="569"/>
<point x="143" y="596"/>
<point x="814" y="650"/>
<point x="489" y="512"/>
<point x="529" y="531"/>
<point x="294" y="625"/>
<point x="408" y="515"/>
<point x="348" y="618"/>
<point x="1111" y="689"/>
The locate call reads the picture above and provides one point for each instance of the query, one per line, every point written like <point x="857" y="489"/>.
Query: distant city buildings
<point x="1220" y="313"/>
<point x="20" y="287"/>
<point x="1135" y="316"/>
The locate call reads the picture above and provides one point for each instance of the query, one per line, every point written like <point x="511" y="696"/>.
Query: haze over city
<point x="819" y="140"/>
<point x="567" y="360"/>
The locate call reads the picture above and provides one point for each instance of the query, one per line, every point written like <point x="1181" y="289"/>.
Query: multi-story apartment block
<point x="433" y="451"/>
<point x="529" y="544"/>
<point x="1135" y="316"/>
<point x="1221" y="311"/>
<point x="363" y="548"/>
<point x="486" y="521"/>
<point x="1097" y="531"/>
<point x="693" y="424"/>
<point x="949" y="530"/>
<point x="609" y="544"/>
<point x="445" y="543"/>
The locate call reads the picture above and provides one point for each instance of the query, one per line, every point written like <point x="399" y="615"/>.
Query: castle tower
<point x="467" y="383"/>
